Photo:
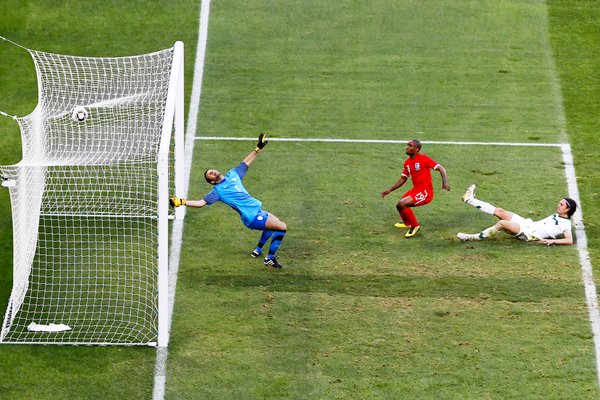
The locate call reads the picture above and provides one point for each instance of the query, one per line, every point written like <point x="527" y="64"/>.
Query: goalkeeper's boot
<point x="273" y="263"/>
<point x="254" y="254"/>
<point x="400" y="225"/>
<point x="412" y="231"/>
<point x="466" y="237"/>
<point x="469" y="194"/>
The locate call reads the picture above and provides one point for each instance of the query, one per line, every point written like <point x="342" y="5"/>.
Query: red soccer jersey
<point x="419" y="170"/>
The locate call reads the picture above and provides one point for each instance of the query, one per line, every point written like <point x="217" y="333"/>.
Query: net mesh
<point x="84" y="202"/>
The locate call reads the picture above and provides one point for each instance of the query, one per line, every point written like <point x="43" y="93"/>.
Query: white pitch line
<point x="584" y="257"/>
<point x="389" y="141"/>
<point x="162" y="353"/>
<point x="582" y="247"/>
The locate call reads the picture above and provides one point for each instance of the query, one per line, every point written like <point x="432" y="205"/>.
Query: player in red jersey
<point x="418" y="167"/>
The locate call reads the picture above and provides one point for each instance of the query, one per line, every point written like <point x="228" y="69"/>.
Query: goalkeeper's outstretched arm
<point x="178" y="201"/>
<point x="262" y="142"/>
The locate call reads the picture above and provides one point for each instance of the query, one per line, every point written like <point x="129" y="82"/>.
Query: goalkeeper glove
<point x="176" y="201"/>
<point x="261" y="142"/>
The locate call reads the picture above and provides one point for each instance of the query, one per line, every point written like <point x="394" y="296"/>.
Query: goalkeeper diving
<point x="229" y="189"/>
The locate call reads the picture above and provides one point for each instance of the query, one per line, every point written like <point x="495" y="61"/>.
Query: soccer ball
<point x="80" y="114"/>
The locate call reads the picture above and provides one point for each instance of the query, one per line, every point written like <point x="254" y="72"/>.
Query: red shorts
<point x="420" y="196"/>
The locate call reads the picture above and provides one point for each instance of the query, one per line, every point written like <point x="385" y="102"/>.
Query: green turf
<point x="450" y="71"/>
<point x="359" y="312"/>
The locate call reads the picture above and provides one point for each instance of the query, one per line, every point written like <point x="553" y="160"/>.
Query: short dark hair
<point x="572" y="204"/>
<point x="205" y="177"/>
<point x="417" y="143"/>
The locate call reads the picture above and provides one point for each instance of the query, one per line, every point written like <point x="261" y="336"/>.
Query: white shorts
<point x="526" y="228"/>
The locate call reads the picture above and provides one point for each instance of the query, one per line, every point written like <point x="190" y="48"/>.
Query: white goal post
<point x="89" y="200"/>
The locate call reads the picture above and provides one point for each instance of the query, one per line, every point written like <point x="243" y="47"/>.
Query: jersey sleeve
<point x="212" y="197"/>
<point x="405" y="169"/>
<point x="430" y="162"/>
<point x="241" y="169"/>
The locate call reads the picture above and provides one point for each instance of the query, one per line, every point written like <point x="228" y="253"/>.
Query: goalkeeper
<point x="229" y="189"/>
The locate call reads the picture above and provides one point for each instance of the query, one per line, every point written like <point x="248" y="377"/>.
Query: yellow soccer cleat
<point x="412" y="231"/>
<point x="469" y="194"/>
<point x="400" y="225"/>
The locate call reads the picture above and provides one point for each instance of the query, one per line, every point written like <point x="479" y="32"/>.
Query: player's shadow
<point x="513" y="289"/>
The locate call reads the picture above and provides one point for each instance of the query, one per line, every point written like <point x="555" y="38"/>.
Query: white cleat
<point x="466" y="237"/>
<point x="469" y="194"/>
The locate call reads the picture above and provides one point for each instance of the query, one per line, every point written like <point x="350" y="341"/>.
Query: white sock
<point x="482" y="205"/>
<point x="491" y="231"/>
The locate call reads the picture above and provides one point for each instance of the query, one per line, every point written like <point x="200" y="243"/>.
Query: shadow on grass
<point x="498" y="289"/>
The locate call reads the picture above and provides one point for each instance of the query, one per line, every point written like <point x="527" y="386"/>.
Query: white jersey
<point x="550" y="227"/>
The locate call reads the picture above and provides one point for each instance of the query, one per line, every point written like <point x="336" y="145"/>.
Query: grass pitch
<point x="361" y="312"/>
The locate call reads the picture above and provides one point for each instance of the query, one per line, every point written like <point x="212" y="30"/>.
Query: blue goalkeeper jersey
<point x="232" y="192"/>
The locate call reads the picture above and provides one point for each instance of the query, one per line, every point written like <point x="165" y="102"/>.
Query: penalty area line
<point x="382" y="141"/>
<point x="571" y="177"/>
<point x="591" y="296"/>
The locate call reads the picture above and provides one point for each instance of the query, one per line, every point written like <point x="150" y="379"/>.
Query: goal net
<point x="90" y="200"/>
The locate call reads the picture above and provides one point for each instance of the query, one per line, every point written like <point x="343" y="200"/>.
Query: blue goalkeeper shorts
<point x="259" y="221"/>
